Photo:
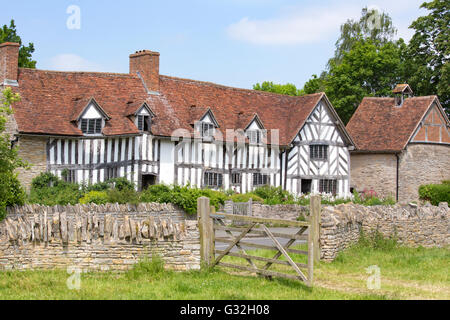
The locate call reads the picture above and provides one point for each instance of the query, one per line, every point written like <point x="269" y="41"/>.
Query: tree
<point x="372" y="25"/>
<point x="428" y="53"/>
<point x="9" y="34"/>
<point x="288" y="89"/>
<point x="315" y="84"/>
<point x="11" y="191"/>
<point x="368" y="69"/>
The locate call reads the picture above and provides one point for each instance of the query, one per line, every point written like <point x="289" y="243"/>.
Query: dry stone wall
<point x="288" y="212"/>
<point x="341" y="225"/>
<point x="414" y="226"/>
<point x="98" y="237"/>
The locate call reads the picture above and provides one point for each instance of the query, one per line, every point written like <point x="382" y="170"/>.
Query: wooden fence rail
<point x="209" y="222"/>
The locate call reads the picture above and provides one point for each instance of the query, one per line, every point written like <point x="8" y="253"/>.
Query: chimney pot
<point x="9" y="63"/>
<point x="146" y="64"/>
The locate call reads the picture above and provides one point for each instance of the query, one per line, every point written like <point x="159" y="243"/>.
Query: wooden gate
<point x="210" y="222"/>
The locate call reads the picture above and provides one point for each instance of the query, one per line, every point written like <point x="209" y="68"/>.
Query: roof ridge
<point x="99" y="73"/>
<point x="415" y="97"/>
<point x="236" y="88"/>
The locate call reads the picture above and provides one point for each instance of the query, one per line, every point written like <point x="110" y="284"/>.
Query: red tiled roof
<point x="378" y="125"/>
<point x="52" y="100"/>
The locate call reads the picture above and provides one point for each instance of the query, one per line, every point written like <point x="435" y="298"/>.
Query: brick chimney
<point x="9" y="63"/>
<point x="146" y="64"/>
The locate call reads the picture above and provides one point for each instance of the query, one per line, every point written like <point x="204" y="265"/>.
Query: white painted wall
<point x="167" y="162"/>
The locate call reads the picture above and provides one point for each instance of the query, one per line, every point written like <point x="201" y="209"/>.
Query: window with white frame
<point x="318" y="152"/>
<point x="212" y="179"/>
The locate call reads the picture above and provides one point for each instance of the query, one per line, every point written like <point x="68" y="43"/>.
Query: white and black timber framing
<point x="90" y="160"/>
<point x="96" y="159"/>
<point x="320" y="129"/>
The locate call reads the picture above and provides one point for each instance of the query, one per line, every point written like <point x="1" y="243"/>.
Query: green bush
<point x="122" y="196"/>
<point x="97" y="197"/>
<point x="47" y="189"/>
<point x="116" y="183"/>
<point x="435" y="193"/>
<point x="158" y="193"/>
<point x="274" y="195"/>
<point x="246" y="197"/>
<point x="183" y="197"/>
<point x="121" y="184"/>
<point x="11" y="192"/>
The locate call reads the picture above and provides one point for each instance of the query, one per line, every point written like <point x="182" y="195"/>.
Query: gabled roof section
<point x="135" y="108"/>
<point x="379" y="126"/>
<point x="211" y="116"/>
<point x="94" y="103"/>
<point x="340" y="125"/>
<point x="258" y="122"/>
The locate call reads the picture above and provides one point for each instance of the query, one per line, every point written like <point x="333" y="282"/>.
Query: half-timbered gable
<point x="319" y="160"/>
<point x="152" y="129"/>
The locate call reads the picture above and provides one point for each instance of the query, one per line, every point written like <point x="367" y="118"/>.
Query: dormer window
<point x="255" y="131"/>
<point x="92" y="126"/>
<point x="92" y="119"/>
<point x="143" y="118"/>
<point x="207" y="126"/>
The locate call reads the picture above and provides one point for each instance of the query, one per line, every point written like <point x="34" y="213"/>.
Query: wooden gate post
<point x="316" y="208"/>
<point x="206" y="228"/>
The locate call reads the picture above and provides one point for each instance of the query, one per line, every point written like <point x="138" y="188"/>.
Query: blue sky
<point x="231" y="42"/>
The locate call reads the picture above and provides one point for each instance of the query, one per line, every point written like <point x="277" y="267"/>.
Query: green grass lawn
<point x="406" y="273"/>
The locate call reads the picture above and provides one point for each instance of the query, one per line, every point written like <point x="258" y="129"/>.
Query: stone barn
<point x="401" y="144"/>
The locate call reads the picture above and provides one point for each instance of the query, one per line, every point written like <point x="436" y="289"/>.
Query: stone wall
<point x="98" y="237"/>
<point x="425" y="226"/>
<point x="376" y="172"/>
<point x="422" y="164"/>
<point x="287" y="212"/>
<point x="341" y="225"/>
<point x="32" y="150"/>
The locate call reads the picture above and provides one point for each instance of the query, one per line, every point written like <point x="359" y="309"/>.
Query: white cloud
<point x="72" y="62"/>
<point x="299" y="27"/>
